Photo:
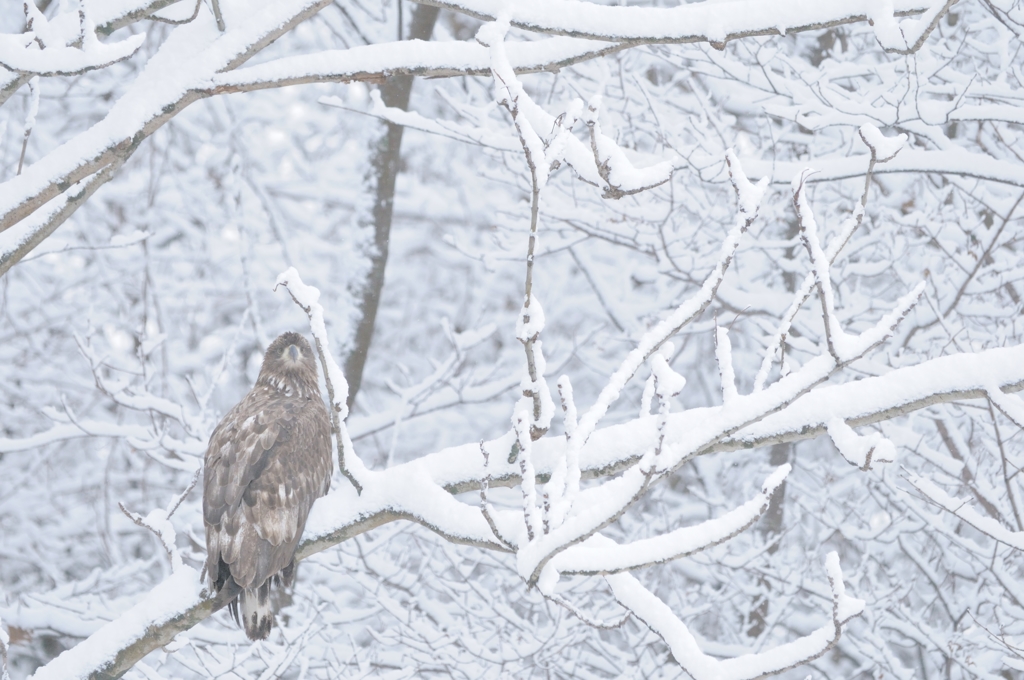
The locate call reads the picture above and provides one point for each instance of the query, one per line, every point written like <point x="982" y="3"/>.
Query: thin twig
<point x="485" y="504"/>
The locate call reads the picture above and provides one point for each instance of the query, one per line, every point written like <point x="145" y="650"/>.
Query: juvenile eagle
<point x="268" y="460"/>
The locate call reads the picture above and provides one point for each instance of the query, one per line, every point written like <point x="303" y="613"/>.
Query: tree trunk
<point x="771" y="523"/>
<point x="385" y="156"/>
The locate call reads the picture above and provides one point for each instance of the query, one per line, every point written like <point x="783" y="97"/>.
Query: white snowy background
<point x="758" y="413"/>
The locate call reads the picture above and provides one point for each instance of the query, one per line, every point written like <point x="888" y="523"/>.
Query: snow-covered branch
<point x="683" y="24"/>
<point x="599" y="555"/>
<point x="658" y="617"/>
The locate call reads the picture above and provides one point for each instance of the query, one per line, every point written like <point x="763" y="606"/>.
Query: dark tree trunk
<point x="771" y="523"/>
<point x="385" y="156"/>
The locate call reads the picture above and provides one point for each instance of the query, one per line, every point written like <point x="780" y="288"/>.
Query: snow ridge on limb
<point x="907" y="36"/>
<point x="657" y="616"/>
<point x="308" y="298"/>
<point x="409" y="57"/>
<point x="682" y="24"/>
<point x="177" y="604"/>
<point x="860" y="450"/>
<point x="953" y="161"/>
<point x="65" y="46"/>
<point x="19" y="240"/>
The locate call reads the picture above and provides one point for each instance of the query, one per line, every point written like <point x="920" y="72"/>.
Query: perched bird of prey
<point x="268" y="460"/>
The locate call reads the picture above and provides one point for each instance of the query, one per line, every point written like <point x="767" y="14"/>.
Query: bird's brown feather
<point x="268" y="460"/>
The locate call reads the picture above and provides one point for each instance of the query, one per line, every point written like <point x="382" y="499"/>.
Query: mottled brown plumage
<point x="268" y="460"/>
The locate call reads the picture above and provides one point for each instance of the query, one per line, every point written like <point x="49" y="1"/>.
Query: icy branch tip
<point x="749" y="195"/>
<point x="882" y="148"/>
<point x="531" y="320"/>
<point x="846" y="607"/>
<point x="494" y="32"/>
<point x="799" y="181"/>
<point x="286" y="276"/>
<point x="307" y="296"/>
<point x="776" y="478"/>
<point x="593" y="107"/>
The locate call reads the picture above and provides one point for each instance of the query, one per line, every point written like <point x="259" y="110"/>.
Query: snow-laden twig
<point x="65" y="53"/>
<point x="960" y="509"/>
<point x="883" y="149"/>
<point x="619" y="176"/>
<point x="801" y="296"/>
<point x="568" y="405"/>
<point x="907" y="36"/>
<point x="307" y="297"/>
<point x="139" y="399"/>
<point x="860" y="450"/>
<point x="541" y="157"/>
<point x="723" y="352"/>
<point x="1011" y="406"/>
<point x="30" y="117"/>
<point x="834" y="336"/>
<point x="666" y="384"/>
<point x="586" y="618"/>
<point x="555" y="488"/>
<point x="599" y="555"/>
<point x="158" y="522"/>
<point x="603" y="164"/>
<point x="485" y="504"/>
<point x="530" y="512"/>
<point x="657" y="616"/>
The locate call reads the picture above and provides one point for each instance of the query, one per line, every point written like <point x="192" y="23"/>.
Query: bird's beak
<point x="293" y="352"/>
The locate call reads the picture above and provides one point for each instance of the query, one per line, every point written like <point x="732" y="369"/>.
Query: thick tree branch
<point x="686" y="23"/>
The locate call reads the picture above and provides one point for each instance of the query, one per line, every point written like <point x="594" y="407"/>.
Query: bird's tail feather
<point x="257" y="615"/>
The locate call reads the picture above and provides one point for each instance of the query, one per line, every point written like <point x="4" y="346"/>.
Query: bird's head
<point x="289" y="362"/>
